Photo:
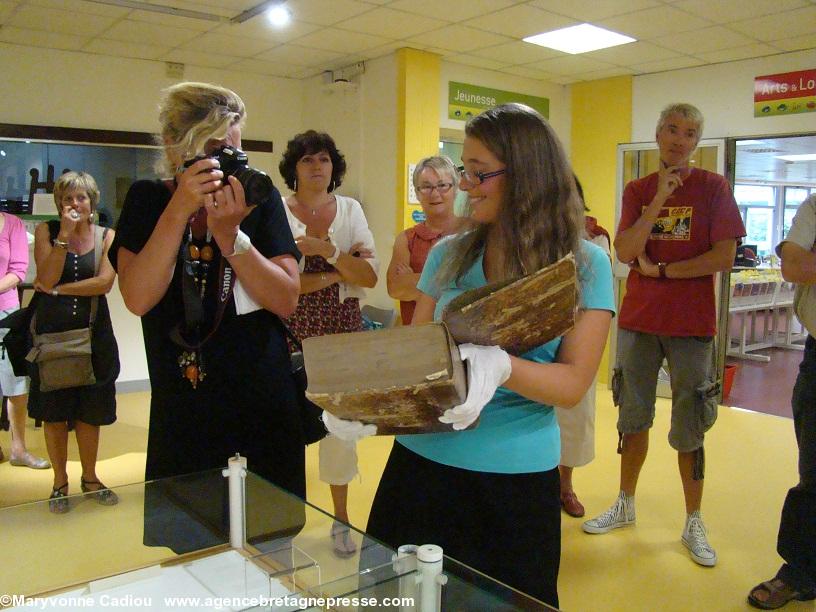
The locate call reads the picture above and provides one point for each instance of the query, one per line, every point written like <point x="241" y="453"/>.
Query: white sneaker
<point x="621" y="514"/>
<point x="694" y="538"/>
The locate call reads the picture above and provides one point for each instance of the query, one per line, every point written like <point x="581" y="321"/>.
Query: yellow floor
<point x="751" y="461"/>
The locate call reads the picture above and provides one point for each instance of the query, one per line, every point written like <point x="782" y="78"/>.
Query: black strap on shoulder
<point x="187" y="333"/>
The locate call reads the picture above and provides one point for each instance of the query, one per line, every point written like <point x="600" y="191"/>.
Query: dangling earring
<point x="295" y="183"/>
<point x="331" y="186"/>
<point x="91" y="217"/>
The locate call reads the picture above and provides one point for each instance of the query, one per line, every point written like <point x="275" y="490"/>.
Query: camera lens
<point x="257" y="185"/>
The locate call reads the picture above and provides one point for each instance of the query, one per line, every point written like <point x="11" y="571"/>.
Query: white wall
<point x="560" y="107"/>
<point x="71" y="89"/>
<point x="378" y="168"/>
<point x="725" y="95"/>
<point x="336" y="111"/>
<point x="362" y="122"/>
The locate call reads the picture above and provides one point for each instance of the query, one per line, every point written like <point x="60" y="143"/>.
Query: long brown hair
<point x="541" y="216"/>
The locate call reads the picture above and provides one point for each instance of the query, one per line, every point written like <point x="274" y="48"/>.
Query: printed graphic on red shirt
<point x="674" y="223"/>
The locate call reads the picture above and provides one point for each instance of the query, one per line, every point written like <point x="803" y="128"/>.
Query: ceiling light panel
<point x="798" y="158"/>
<point x="579" y="39"/>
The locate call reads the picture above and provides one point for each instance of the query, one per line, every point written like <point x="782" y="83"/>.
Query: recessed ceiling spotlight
<point x="579" y="39"/>
<point x="278" y="16"/>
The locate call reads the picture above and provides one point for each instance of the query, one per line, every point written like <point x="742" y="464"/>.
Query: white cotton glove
<point x="488" y="368"/>
<point x="350" y="431"/>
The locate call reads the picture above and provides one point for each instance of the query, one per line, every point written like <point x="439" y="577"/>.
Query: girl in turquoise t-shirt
<point x="490" y="496"/>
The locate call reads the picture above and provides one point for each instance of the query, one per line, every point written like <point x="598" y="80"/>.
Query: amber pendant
<point x="207" y="253"/>
<point x="194" y="252"/>
<point x="192" y="367"/>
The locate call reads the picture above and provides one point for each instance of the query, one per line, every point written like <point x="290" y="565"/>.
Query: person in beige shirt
<point x="796" y="544"/>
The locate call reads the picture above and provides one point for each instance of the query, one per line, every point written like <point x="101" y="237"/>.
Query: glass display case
<point x="206" y="541"/>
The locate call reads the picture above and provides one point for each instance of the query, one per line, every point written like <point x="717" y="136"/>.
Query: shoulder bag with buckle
<point x="64" y="358"/>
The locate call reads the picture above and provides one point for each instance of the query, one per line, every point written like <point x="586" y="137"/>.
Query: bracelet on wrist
<point x="332" y="259"/>
<point x="241" y="245"/>
<point x="60" y="244"/>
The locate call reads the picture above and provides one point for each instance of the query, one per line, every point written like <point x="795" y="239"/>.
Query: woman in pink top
<point x="13" y="266"/>
<point x="436" y="182"/>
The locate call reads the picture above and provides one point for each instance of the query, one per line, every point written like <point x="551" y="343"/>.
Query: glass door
<point x="636" y="160"/>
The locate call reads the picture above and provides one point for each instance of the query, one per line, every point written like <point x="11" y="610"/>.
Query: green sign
<point x="466" y="101"/>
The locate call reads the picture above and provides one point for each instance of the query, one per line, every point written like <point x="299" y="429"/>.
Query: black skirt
<point x="92" y="404"/>
<point x="507" y="526"/>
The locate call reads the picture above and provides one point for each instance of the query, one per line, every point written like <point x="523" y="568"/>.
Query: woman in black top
<point x="220" y="385"/>
<point x="68" y="279"/>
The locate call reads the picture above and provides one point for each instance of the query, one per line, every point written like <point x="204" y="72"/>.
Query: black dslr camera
<point x="257" y="184"/>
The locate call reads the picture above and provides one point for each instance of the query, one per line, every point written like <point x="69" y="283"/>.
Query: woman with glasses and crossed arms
<point x="489" y="496"/>
<point x="436" y="183"/>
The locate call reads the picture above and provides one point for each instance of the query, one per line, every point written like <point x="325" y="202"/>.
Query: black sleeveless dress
<point x="93" y="404"/>
<point x="246" y="404"/>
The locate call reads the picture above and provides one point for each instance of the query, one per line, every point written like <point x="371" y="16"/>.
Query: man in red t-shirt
<point x="679" y="226"/>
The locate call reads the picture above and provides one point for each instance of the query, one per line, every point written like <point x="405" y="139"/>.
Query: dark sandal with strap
<point x="779" y="594"/>
<point x="58" y="502"/>
<point x="102" y="495"/>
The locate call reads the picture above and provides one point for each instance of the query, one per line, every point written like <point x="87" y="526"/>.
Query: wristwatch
<point x="334" y="256"/>
<point x="242" y="244"/>
<point x="661" y="269"/>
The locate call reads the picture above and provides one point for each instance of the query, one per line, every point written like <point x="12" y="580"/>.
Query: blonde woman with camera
<point x="210" y="273"/>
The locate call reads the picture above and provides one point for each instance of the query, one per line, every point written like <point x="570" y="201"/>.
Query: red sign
<point x="786" y="85"/>
<point x="786" y="93"/>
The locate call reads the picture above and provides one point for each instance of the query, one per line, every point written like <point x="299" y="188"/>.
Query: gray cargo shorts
<point x="693" y="383"/>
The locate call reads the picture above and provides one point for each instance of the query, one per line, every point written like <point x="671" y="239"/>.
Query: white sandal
<point x="344" y="546"/>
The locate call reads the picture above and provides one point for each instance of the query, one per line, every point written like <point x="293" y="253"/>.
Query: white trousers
<point x="338" y="460"/>
<point x="578" y="430"/>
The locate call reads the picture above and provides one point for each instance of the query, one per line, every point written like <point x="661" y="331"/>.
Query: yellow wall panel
<point x="418" y="92"/>
<point x="601" y="119"/>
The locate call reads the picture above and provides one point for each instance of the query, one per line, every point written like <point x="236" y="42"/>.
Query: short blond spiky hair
<point x="76" y="181"/>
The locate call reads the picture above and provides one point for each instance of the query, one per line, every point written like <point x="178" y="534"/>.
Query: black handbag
<point x="310" y="413"/>
<point x="18" y="341"/>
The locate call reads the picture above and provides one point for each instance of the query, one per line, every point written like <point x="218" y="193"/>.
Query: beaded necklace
<point x="201" y="256"/>
<point x="196" y="260"/>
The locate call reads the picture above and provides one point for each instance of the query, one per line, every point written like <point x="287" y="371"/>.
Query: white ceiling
<point x="758" y="161"/>
<point x="331" y="34"/>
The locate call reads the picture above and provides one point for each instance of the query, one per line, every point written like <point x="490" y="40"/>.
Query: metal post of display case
<point x="236" y="473"/>
<point x="430" y="579"/>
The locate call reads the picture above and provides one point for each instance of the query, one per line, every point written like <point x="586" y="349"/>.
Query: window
<point x="794" y="196"/>
<point x="757" y="204"/>
<point x="113" y="167"/>
<point x="768" y="211"/>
